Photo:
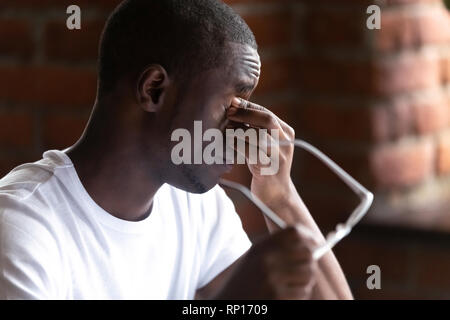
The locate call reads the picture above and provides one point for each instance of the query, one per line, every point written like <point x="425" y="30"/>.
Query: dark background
<point x="376" y="101"/>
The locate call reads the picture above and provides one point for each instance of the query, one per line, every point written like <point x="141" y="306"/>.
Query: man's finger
<point x="245" y="104"/>
<point x="258" y="117"/>
<point x="254" y="115"/>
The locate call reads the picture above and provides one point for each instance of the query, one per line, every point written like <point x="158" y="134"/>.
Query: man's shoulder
<point x="23" y="201"/>
<point x="22" y="181"/>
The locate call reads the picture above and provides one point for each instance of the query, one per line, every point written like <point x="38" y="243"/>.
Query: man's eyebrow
<point x="242" y="88"/>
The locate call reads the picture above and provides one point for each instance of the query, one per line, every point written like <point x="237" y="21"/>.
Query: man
<point x="113" y="217"/>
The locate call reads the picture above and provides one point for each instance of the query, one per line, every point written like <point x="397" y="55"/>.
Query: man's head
<point x="176" y="62"/>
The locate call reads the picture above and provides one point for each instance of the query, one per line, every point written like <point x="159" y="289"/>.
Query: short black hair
<point x="183" y="36"/>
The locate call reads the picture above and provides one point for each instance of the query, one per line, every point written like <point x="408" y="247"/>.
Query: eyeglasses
<point x="342" y="229"/>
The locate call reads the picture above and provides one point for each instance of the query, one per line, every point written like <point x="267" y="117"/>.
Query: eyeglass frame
<point x="342" y="229"/>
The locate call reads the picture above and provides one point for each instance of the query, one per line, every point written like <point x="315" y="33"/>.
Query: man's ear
<point x="152" y="87"/>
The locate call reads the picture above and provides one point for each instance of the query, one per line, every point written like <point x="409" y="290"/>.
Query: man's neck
<point x="115" y="174"/>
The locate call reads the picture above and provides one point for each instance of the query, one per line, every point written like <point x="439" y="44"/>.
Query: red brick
<point x="390" y="292"/>
<point x="405" y="74"/>
<point x="413" y="265"/>
<point x="433" y="265"/>
<point x="102" y="4"/>
<point x="319" y="75"/>
<point x="431" y="116"/>
<point x="363" y="4"/>
<point x="16" y="129"/>
<point x="48" y="85"/>
<point x="445" y="69"/>
<point x="15" y="38"/>
<point x="391" y="121"/>
<point x="395" y="2"/>
<point x="234" y="2"/>
<point x="73" y="45"/>
<point x="401" y="29"/>
<point x="285" y="110"/>
<point x="336" y="3"/>
<point x="401" y="117"/>
<point x="276" y="75"/>
<point x="421" y="207"/>
<point x="271" y="29"/>
<point x="327" y="120"/>
<point x="315" y="172"/>
<point x="443" y="161"/>
<point x="61" y="131"/>
<point x="384" y="122"/>
<point x="402" y="164"/>
<point x="319" y="28"/>
<point x="369" y="78"/>
<point x="356" y="254"/>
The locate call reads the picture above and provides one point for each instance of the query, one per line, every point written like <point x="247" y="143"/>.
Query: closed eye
<point x="243" y="89"/>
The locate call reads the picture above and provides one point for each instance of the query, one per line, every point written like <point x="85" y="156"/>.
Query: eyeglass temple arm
<point x="365" y="195"/>
<point x="342" y="229"/>
<point x="349" y="180"/>
<point x="261" y="205"/>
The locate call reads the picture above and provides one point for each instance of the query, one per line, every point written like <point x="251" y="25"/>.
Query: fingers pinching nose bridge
<point x="244" y="104"/>
<point x="241" y="103"/>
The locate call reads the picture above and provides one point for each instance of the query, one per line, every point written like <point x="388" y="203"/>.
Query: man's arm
<point x="210" y="290"/>
<point x="279" y="266"/>
<point x="29" y="266"/>
<point x="278" y="192"/>
<point x="330" y="280"/>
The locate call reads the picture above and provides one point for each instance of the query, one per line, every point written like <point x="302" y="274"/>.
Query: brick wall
<point x="47" y="76"/>
<point x="375" y="101"/>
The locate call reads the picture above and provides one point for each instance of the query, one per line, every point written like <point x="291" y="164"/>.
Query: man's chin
<point x="199" y="179"/>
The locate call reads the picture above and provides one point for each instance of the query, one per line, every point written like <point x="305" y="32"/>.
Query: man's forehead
<point x="246" y="64"/>
<point x="251" y="63"/>
<point x="240" y="73"/>
<point x="245" y="55"/>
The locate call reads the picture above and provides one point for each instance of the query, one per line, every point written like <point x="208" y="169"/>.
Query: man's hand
<point x="278" y="267"/>
<point x="274" y="190"/>
<point x="279" y="193"/>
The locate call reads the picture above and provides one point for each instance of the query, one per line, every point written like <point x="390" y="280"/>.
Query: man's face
<point x="207" y="98"/>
